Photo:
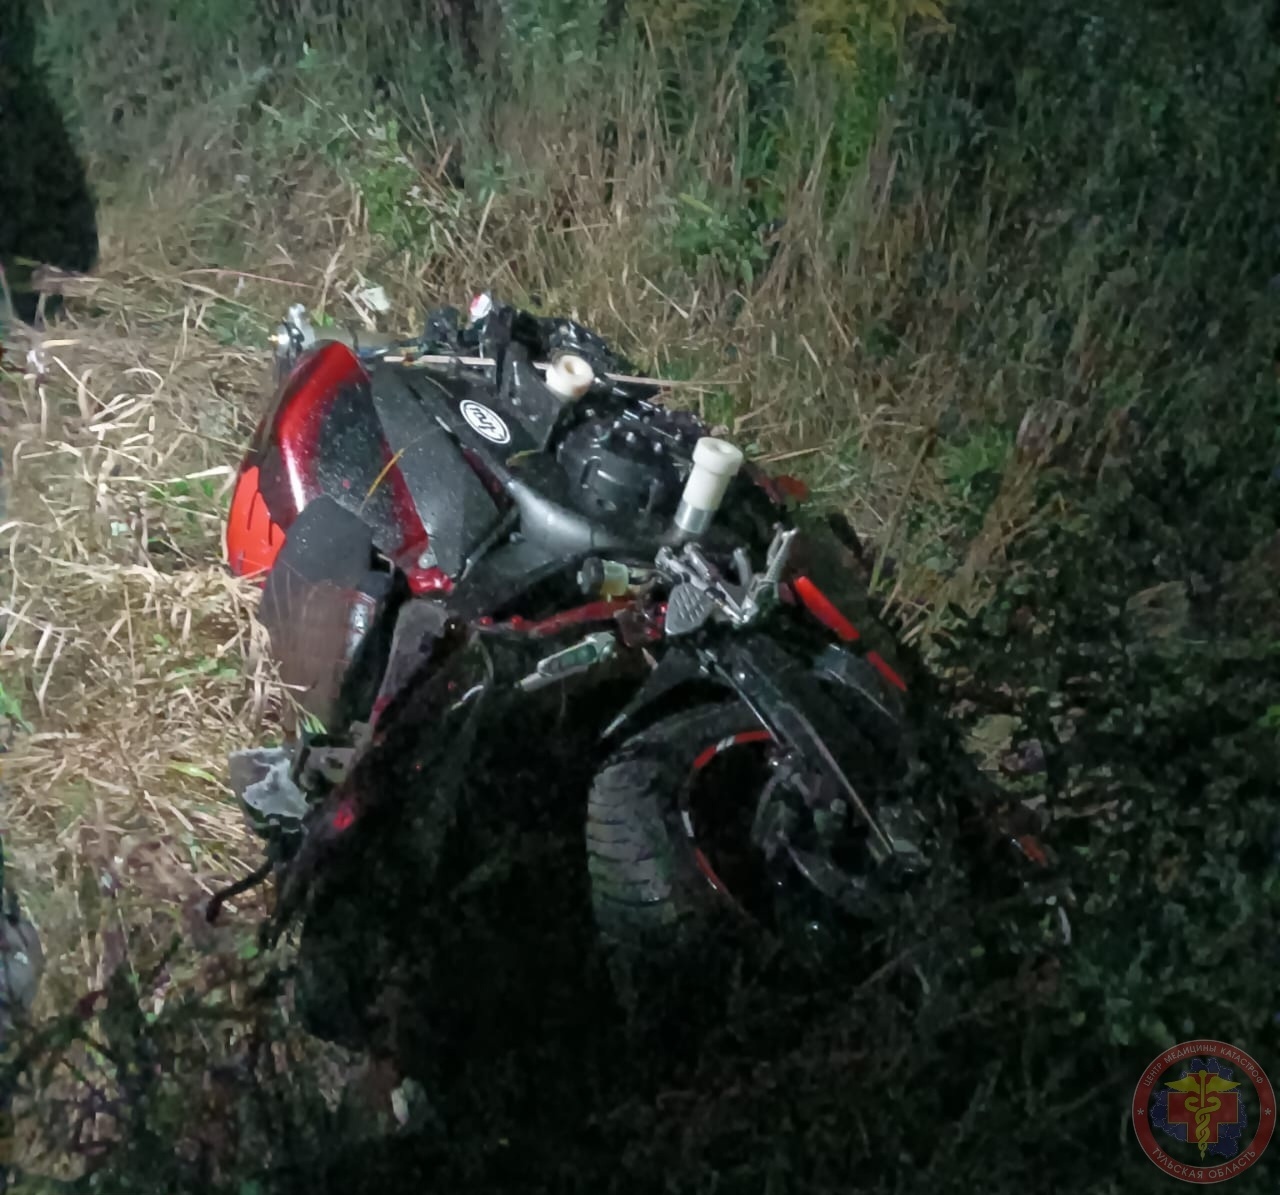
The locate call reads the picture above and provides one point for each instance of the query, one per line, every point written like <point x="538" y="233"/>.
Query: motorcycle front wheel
<point x="668" y="830"/>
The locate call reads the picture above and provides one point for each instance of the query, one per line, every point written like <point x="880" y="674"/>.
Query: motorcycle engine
<point x="629" y="464"/>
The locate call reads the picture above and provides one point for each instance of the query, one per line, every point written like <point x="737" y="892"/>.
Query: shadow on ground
<point x="46" y="209"/>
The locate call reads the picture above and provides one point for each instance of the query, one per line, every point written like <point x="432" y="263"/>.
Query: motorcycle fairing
<point x="323" y="437"/>
<point x="455" y="509"/>
<point x="320" y="603"/>
<point x="395" y="447"/>
<point x="253" y="537"/>
<point x="447" y="698"/>
<point x="677" y="668"/>
<point x="445" y="397"/>
<point x="502" y="576"/>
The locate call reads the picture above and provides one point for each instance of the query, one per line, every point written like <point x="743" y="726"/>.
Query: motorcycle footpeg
<point x="688" y="608"/>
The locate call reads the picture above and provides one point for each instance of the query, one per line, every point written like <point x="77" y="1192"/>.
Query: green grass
<point x="11" y="709"/>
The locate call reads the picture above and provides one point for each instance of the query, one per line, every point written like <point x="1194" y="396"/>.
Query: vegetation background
<point x="999" y="280"/>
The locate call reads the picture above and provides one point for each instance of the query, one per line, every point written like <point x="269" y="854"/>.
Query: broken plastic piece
<point x="260" y="778"/>
<point x="375" y="298"/>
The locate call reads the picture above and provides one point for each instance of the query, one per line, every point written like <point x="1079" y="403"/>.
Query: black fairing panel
<point x="520" y="398"/>
<point x="320" y="601"/>
<point x="456" y="510"/>
<point x="504" y="575"/>
<point x="325" y="543"/>
<point x="443" y="395"/>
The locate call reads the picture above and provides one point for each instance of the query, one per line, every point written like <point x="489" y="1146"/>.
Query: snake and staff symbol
<point x="1202" y="1101"/>
<point x="1204" y="1111"/>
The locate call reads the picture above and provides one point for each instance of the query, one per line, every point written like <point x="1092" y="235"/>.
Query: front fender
<point x="784" y="693"/>
<point x="737" y="665"/>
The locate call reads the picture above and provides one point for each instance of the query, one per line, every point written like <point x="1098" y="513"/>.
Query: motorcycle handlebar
<point x="366" y="345"/>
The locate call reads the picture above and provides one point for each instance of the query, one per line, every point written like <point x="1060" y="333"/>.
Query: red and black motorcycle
<point x="500" y="508"/>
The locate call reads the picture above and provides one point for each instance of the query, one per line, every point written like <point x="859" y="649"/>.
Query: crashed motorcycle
<point x="501" y="506"/>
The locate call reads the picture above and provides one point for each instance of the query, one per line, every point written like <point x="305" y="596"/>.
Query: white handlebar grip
<point x="715" y="463"/>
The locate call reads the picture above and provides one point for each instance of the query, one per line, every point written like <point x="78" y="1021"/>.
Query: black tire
<point x="645" y="878"/>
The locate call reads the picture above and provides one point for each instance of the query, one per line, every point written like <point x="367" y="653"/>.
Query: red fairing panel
<point x="322" y="435"/>
<point x="306" y="400"/>
<point x="253" y="537"/>
<point x="826" y="612"/>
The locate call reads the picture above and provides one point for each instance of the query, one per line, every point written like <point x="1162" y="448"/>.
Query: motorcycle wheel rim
<point x="717" y="806"/>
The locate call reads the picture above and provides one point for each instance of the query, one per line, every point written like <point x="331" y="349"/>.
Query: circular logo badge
<point x="485" y="422"/>
<point x="1204" y="1111"/>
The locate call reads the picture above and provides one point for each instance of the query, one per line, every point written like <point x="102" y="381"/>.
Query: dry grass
<point x="133" y="654"/>
<point x="131" y="651"/>
<point x="963" y="287"/>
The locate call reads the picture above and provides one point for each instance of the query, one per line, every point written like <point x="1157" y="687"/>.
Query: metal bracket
<point x="586" y="653"/>
<point x="293" y="337"/>
<point x="272" y="802"/>
<point x="699" y="590"/>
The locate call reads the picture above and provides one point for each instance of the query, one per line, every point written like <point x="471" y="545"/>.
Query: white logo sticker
<point x="485" y="422"/>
